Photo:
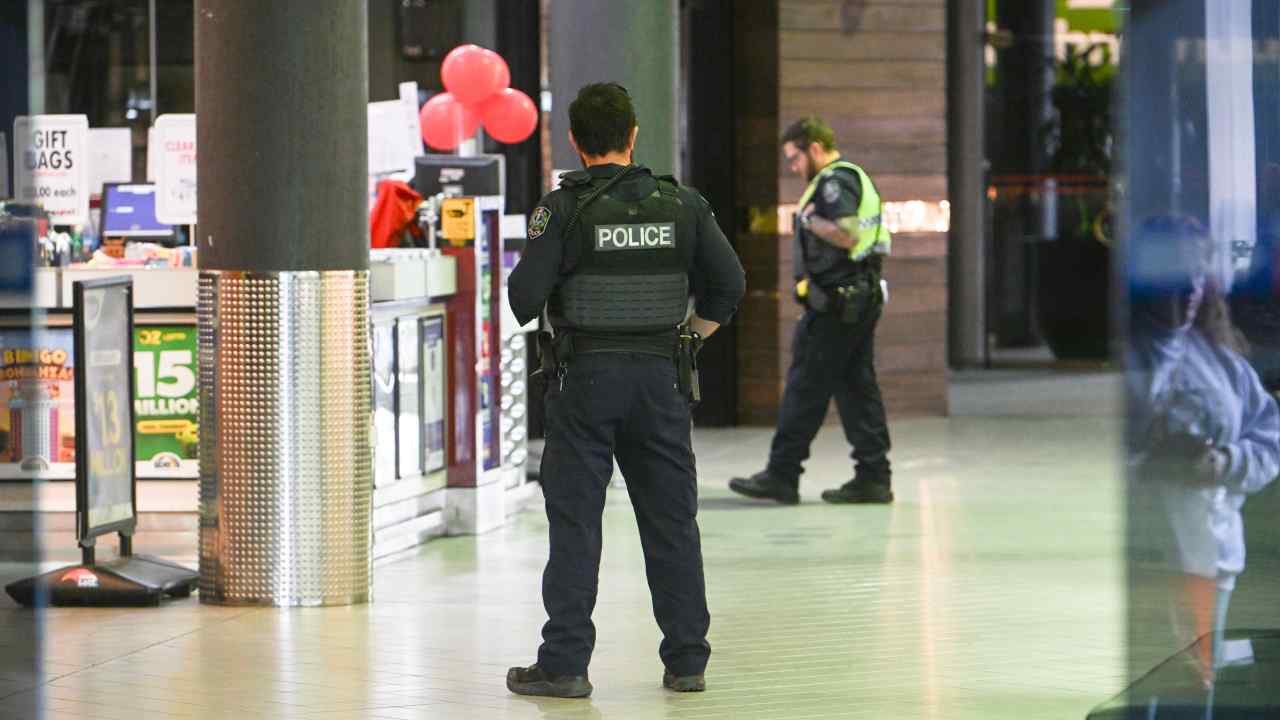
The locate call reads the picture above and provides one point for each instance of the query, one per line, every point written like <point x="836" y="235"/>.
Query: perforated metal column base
<point x="286" y="469"/>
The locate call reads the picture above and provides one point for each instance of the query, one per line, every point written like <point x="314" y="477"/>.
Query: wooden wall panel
<point x="832" y="74"/>
<point x="873" y="17"/>
<point x="880" y="102"/>
<point x="875" y="71"/>
<point x="874" y="46"/>
<point x="755" y="99"/>
<point x="892" y="186"/>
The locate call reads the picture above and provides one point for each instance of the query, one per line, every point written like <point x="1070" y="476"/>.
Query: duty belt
<point x="680" y="345"/>
<point x="580" y="343"/>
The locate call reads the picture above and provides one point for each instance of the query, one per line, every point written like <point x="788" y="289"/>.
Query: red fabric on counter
<point x="395" y="208"/>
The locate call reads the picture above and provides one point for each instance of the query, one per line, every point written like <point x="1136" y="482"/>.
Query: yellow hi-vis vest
<point x="868" y="228"/>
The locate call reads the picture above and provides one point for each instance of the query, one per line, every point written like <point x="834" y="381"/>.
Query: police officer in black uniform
<point x="840" y="243"/>
<point x="614" y="256"/>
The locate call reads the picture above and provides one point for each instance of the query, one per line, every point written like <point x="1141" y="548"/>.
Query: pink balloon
<point x="446" y="122"/>
<point x="509" y="116"/>
<point x="473" y="73"/>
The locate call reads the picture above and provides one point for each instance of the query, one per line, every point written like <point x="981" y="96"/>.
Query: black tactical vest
<point x="631" y="277"/>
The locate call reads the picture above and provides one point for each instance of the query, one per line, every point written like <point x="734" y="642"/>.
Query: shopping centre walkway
<point x="992" y="589"/>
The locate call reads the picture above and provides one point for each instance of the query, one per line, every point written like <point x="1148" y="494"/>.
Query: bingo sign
<point x="175" y="136"/>
<point x="51" y="165"/>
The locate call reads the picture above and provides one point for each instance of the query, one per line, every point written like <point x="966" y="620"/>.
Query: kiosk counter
<point x="408" y="292"/>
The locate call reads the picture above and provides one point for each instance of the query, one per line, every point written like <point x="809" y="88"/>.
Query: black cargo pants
<point x="628" y="405"/>
<point x="830" y="358"/>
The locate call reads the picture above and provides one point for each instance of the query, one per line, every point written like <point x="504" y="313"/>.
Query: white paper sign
<point x="175" y="140"/>
<point x="409" y="96"/>
<point x="389" y="147"/>
<point x="51" y="165"/>
<point x="110" y="157"/>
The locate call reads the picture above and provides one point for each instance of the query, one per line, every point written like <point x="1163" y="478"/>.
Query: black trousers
<point x="830" y="358"/>
<point x="627" y="405"/>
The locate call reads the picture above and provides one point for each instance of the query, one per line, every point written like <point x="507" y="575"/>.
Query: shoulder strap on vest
<point x="825" y="173"/>
<point x="669" y="186"/>
<point x="841" y="165"/>
<point x="575" y="180"/>
<point x="585" y="201"/>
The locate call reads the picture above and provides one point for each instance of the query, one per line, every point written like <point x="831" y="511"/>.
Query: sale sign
<point x="176" y="169"/>
<point x="52" y="165"/>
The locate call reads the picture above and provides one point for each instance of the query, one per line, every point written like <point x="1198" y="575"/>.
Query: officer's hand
<point x="807" y="213"/>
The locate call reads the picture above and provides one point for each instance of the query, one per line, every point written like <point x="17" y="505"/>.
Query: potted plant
<point x="1075" y="266"/>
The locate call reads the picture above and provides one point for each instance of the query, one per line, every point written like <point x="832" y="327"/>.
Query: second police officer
<point x="840" y="242"/>
<point x="613" y="256"/>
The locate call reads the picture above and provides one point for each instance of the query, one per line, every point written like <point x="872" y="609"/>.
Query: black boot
<point x="860" y="492"/>
<point x="683" y="683"/>
<point x="764" y="486"/>
<point x="533" y="680"/>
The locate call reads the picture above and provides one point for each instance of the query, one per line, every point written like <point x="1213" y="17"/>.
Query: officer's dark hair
<point x="601" y="118"/>
<point x="809" y="130"/>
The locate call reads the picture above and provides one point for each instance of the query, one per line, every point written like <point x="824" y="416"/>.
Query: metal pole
<point x="35" y="57"/>
<point x="966" y="89"/>
<point x="155" y="63"/>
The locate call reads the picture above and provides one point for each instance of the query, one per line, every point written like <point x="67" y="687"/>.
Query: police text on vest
<point x="639" y="236"/>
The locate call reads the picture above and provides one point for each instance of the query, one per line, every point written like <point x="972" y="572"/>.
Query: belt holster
<point x="855" y="301"/>
<point x="688" y="345"/>
<point x="817" y="299"/>
<point x="554" y="352"/>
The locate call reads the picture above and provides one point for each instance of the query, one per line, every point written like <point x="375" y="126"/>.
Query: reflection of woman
<point x="1203" y="433"/>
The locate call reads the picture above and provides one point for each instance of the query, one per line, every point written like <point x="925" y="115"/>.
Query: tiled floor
<point x="992" y="589"/>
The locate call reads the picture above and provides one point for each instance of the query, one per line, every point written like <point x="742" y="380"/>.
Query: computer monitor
<point x="457" y="175"/>
<point x="129" y="211"/>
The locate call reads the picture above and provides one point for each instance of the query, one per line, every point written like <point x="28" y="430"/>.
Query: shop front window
<point x="1051" y="70"/>
<point x="120" y="62"/>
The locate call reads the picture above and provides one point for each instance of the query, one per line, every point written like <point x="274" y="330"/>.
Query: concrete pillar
<point x="633" y="43"/>
<point x="285" y="447"/>
<point x="966" y="127"/>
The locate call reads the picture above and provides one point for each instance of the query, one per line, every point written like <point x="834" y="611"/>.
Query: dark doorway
<point x="706" y="40"/>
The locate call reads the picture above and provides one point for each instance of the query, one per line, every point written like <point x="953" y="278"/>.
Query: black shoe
<point x="534" y="681"/>
<point x="763" y="486"/>
<point x="683" y="683"/>
<point x="860" y="492"/>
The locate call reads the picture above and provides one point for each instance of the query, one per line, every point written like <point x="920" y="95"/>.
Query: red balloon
<point x="446" y="122"/>
<point x="504" y="80"/>
<point x="473" y="73"/>
<point x="510" y="116"/>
